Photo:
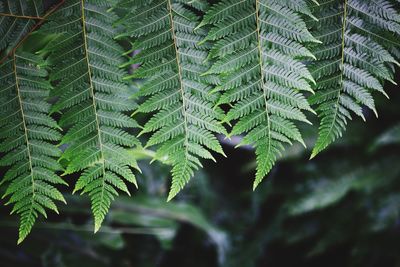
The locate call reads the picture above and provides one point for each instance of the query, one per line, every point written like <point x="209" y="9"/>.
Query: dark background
<point x="340" y="209"/>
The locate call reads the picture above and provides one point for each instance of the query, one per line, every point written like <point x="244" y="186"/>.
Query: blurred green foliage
<point x="342" y="209"/>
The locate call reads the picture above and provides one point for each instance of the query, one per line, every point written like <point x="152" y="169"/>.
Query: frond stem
<point x="91" y="87"/>
<point x="262" y="71"/>
<point x="20" y="16"/>
<point x="341" y="74"/>
<point x="25" y="130"/>
<point x="179" y="75"/>
<point x="342" y="50"/>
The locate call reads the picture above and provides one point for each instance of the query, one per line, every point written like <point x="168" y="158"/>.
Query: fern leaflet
<point x="27" y="135"/>
<point x="360" y="40"/>
<point x="258" y="50"/>
<point x="93" y="100"/>
<point x="184" y="120"/>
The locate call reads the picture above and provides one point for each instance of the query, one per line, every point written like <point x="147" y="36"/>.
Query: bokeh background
<point x="340" y="209"/>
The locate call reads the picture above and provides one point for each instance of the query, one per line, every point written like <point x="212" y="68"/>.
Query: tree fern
<point x="27" y="135"/>
<point x="261" y="60"/>
<point x="93" y="99"/>
<point x="258" y="50"/>
<point x="360" y="44"/>
<point x="184" y="120"/>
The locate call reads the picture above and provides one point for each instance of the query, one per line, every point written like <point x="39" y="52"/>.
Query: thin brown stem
<point x="37" y="25"/>
<point x="20" y="16"/>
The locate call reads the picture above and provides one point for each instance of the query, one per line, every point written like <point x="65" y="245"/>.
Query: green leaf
<point x="29" y="149"/>
<point x="93" y="99"/>
<point x="352" y="63"/>
<point x="259" y="48"/>
<point x="175" y="93"/>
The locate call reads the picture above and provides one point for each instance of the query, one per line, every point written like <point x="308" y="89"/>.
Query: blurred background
<point x="340" y="209"/>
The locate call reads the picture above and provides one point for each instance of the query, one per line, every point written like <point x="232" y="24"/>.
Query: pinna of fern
<point x="359" y="51"/>
<point x="184" y="120"/>
<point x="259" y="46"/>
<point x="17" y="18"/>
<point x="27" y="140"/>
<point x="93" y="101"/>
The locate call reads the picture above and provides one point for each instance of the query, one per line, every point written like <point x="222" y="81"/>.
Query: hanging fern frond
<point x="17" y="18"/>
<point x="93" y="100"/>
<point x="172" y="62"/>
<point x="27" y="136"/>
<point x="258" y="52"/>
<point x="360" y="39"/>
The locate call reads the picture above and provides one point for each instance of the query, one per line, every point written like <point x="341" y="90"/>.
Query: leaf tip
<point x="20" y="240"/>
<point x="97" y="226"/>
<point x="314" y="154"/>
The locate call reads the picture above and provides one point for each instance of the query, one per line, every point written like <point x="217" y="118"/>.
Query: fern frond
<point x="184" y="120"/>
<point x="355" y="59"/>
<point x="259" y="48"/>
<point x="93" y="99"/>
<point x="27" y="135"/>
<point x="17" y="18"/>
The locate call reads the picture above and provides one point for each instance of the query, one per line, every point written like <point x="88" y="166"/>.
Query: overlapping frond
<point x="360" y="46"/>
<point x="27" y="137"/>
<point x="258" y="52"/>
<point x="93" y="100"/>
<point x="17" y="18"/>
<point x="264" y="61"/>
<point x="184" y="120"/>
